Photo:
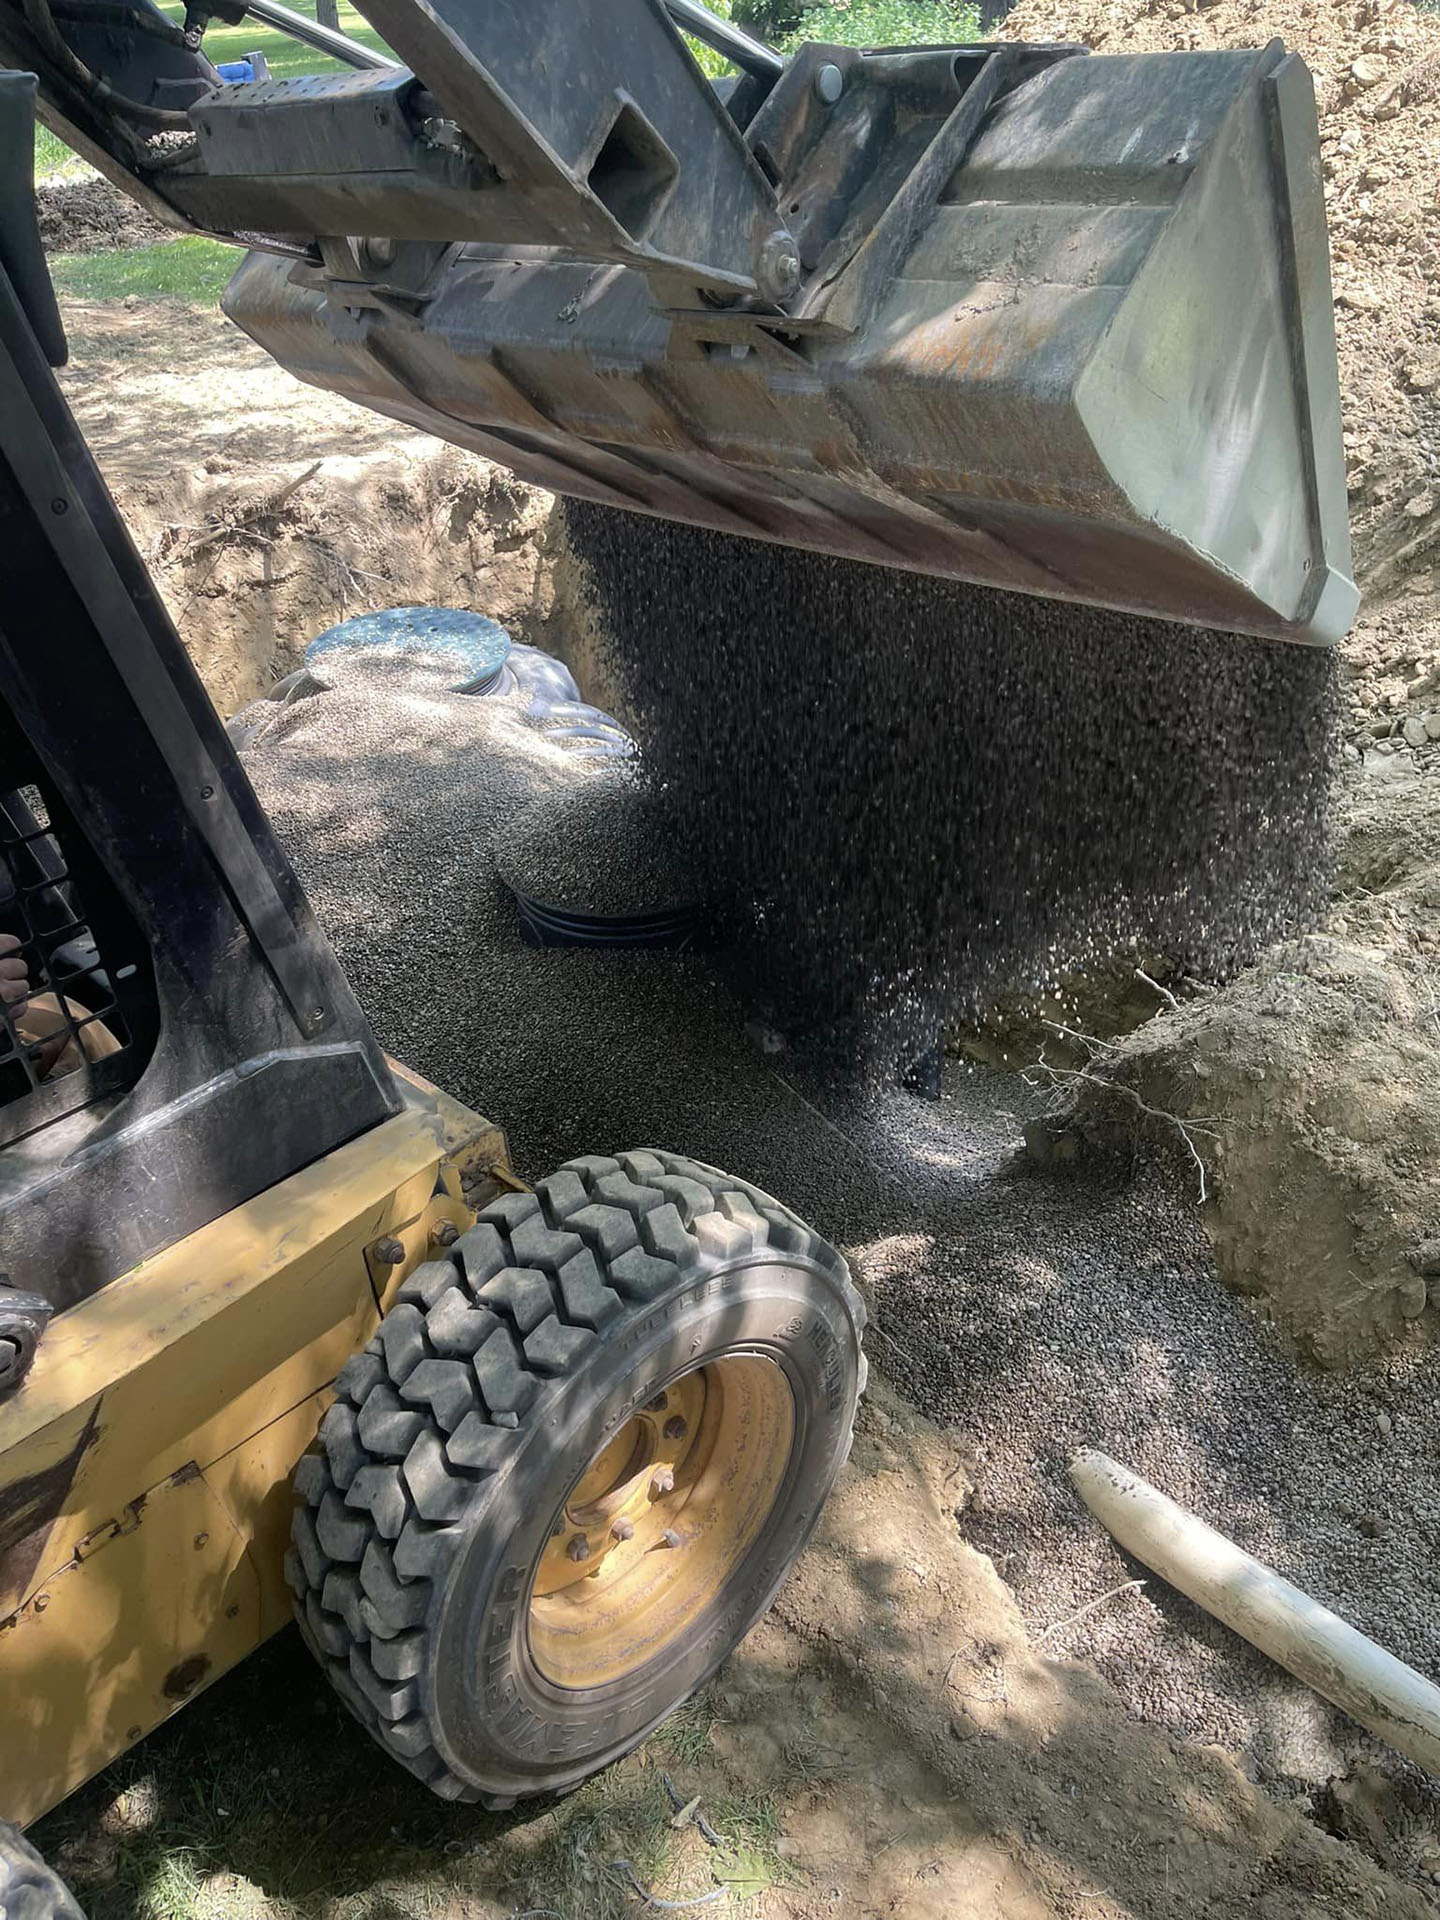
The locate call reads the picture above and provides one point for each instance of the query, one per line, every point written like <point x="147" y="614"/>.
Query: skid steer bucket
<point x="1063" y="325"/>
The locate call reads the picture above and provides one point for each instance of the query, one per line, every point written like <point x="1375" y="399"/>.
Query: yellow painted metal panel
<point x="203" y="1345"/>
<point x="111" y="1645"/>
<point x="253" y="1482"/>
<point x="170" y="1409"/>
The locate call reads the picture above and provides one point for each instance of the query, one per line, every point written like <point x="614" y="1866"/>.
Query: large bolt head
<point x="579" y="1547"/>
<point x="388" y="1253"/>
<point x="778" y="276"/>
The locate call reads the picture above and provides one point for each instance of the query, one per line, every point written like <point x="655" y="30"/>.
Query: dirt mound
<point x="1310" y="1093"/>
<point x="268" y="511"/>
<point x="1377" y="74"/>
<point x="91" y="216"/>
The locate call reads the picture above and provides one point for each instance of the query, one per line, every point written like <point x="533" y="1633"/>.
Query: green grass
<point x="287" y="57"/>
<point x="886" y="23"/>
<point x="851" y="23"/>
<point x="186" y="269"/>
<point x="54" y="160"/>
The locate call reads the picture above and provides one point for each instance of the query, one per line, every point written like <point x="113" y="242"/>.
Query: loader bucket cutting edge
<point x="1079" y="344"/>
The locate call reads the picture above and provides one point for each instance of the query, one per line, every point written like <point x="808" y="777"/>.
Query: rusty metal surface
<point x="1091" y="373"/>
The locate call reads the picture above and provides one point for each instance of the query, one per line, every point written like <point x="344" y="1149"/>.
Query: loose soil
<point x="888" y="1743"/>
<point x="90" y="216"/>
<point x="268" y="511"/>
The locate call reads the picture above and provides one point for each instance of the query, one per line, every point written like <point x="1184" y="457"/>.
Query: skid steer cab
<point x="281" y="1334"/>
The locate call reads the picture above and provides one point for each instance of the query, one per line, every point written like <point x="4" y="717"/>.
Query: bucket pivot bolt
<point x="779" y="268"/>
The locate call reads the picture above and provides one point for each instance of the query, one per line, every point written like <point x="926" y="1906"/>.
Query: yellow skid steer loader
<point x="279" y="1328"/>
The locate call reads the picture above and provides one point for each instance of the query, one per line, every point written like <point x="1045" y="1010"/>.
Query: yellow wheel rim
<point x="660" y="1520"/>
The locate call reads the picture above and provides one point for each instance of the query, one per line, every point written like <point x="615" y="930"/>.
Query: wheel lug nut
<point x="623" y="1529"/>
<point x="675" y="1428"/>
<point x="669" y="1538"/>
<point x="579" y="1547"/>
<point x="658" y="1404"/>
<point x="663" y="1482"/>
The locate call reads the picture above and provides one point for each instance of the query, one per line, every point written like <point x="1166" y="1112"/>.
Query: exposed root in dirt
<point x="1310" y="1091"/>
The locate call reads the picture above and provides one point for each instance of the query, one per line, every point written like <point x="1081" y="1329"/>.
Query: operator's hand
<point x="14" y="980"/>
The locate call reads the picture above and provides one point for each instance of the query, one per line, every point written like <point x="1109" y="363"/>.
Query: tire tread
<point x="438" y="1399"/>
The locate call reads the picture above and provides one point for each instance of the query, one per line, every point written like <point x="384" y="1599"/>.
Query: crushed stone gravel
<point x="934" y="791"/>
<point x="606" y="845"/>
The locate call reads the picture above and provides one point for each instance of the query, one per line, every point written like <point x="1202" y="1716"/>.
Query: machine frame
<point x="217" y="1212"/>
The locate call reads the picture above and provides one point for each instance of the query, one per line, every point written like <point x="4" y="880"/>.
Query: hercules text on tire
<point x="571" y="1469"/>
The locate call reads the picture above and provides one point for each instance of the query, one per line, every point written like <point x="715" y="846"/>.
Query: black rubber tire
<point x="28" y="1888"/>
<point x="457" y="1433"/>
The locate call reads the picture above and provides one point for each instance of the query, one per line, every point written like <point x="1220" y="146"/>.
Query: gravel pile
<point x="606" y="845"/>
<point x="392" y="803"/>
<point x="933" y="791"/>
